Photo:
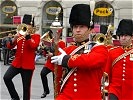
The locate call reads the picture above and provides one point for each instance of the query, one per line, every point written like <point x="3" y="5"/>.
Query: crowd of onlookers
<point x="6" y="55"/>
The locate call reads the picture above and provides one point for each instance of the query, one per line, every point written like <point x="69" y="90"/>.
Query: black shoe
<point x="44" y="95"/>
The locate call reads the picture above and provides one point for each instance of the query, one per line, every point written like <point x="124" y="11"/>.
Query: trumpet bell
<point x="22" y="29"/>
<point x="100" y="38"/>
<point x="46" y="37"/>
<point x="22" y="32"/>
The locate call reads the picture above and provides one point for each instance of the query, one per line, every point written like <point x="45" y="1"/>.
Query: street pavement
<point x="36" y="88"/>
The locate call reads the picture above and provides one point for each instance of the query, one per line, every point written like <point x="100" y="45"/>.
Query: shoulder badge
<point x="87" y="47"/>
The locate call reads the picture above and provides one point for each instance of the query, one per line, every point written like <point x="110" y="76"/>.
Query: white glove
<point x="58" y="59"/>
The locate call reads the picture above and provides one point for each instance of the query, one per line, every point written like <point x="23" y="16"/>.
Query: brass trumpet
<point x="100" y="38"/>
<point x="46" y="37"/>
<point x="22" y="29"/>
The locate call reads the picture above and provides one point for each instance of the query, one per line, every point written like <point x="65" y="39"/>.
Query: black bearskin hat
<point x="125" y="27"/>
<point x="80" y="15"/>
<point x="28" y="19"/>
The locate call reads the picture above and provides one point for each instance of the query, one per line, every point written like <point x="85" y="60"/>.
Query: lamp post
<point x="56" y="28"/>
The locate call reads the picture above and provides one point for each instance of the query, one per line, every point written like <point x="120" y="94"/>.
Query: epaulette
<point x="115" y="47"/>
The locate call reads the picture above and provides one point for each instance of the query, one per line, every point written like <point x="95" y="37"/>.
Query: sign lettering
<point x="103" y="11"/>
<point x="52" y="10"/>
<point x="9" y="9"/>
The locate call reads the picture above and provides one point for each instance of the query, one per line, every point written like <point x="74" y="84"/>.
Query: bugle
<point x="46" y="37"/>
<point x="23" y="29"/>
<point x="99" y="38"/>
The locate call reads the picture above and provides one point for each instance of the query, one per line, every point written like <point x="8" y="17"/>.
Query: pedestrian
<point x="6" y="50"/>
<point x="39" y="54"/>
<point x="120" y="64"/>
<point x="47" y="69"/>
<point x="0" y="49"/>
<point x="24" y="64"/>
<point x="84" y="61"/>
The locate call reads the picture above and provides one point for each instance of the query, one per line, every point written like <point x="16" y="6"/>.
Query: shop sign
<point x="52" y="10"/>
<point x="16" y="19"/>
<point x="103" y="11"/>
<point x="97" y="28"/>
<point x="9" y="9"/>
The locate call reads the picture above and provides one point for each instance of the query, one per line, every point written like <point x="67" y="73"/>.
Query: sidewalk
<point x="41" y="61"/>
<point x="36" y="88"/>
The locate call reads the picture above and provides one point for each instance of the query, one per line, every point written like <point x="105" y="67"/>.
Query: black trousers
<point x="44" y="72"/>
<point x="26" y="81"/>
<point x="6" y="56"/>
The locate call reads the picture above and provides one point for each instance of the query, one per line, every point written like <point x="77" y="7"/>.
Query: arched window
<point x="103" y="15"/>
<point x="8" y="10"/>
<point x="49" y="14"/>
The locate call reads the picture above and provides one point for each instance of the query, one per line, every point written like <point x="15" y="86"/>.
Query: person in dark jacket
<point x="6" y="50"/>
<point x="0" y="49"/>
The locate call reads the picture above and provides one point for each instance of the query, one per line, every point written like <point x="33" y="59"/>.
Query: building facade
<point x="106" y="12"/>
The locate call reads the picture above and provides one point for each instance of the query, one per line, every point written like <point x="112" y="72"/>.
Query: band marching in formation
<point x="87" y="70"/>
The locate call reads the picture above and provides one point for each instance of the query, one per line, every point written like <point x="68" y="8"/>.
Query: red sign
<point x="97" y="28"/>
<point x="16" y="19"/>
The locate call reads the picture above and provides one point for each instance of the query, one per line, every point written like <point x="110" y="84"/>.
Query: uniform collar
<point x="81" y="43"/>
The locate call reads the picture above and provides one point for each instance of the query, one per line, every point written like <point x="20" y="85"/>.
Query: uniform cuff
<point x="65" y="61"/>
<point x="28" y="37"/>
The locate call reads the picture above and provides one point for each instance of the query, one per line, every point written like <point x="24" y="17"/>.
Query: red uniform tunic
<point x="25" y="53"/>
<point x="84" y="83"/>
<point x="120" y="75"/>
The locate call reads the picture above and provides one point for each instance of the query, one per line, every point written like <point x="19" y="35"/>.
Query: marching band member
<point x="6" y="51"/>
<point x="23" y="64"/>
<point x="120" y="64"/>
<point x="84" y="61"/>
<point x="47" y="69"/>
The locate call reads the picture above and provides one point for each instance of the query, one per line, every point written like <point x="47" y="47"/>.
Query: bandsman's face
<point x="80" y="32"/>
<point x="30" y="29"/>
<point x="126" y="40"/>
